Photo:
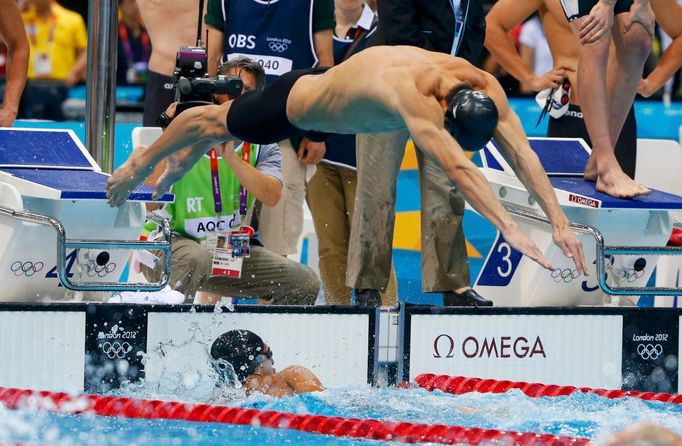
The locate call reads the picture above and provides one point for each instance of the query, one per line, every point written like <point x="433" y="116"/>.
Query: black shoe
<point x="468" y="298"/>
<point x="367" y="297"/>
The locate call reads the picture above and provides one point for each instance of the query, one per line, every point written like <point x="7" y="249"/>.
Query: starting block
<point x="51" y="186"/>
<point x="622" y="238"/>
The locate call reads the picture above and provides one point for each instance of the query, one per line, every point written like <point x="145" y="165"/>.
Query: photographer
<point x="202" y="215"/>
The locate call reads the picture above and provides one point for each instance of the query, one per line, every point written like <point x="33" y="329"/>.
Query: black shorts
<point x="260" y="117"/>
<point x="574" y="9"/>
<point x="157" y="98"/>
<point x="572" y="125"/>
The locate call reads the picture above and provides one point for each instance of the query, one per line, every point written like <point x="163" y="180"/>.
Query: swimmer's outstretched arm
<point x="527" y="166"/>
<point x="194" y="129"/>
<point x="424" y="119"/>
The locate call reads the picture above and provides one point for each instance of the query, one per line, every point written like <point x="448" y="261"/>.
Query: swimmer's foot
<point x="123" y="181"/>
<point x="591" y="170"/>
<point x="616" y="183"/>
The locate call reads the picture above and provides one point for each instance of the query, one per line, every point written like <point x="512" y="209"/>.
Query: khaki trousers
<point x="445" y="264"/>
<point x="331" y="197"/>
<point x="280" y="227"/>
<point x="265" y="275"/>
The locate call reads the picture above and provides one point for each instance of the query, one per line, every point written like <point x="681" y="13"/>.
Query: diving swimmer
<point x="446" y="103"/>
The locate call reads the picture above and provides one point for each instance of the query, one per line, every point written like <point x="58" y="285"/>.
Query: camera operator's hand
<point x="310" y="152"/>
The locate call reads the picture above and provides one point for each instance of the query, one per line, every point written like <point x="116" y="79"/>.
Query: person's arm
<point x="12" y="33"/>
<point x="216" y="47"/>
<point x="215" y="23"/>
<point x="79" y="68"/>
<point x="191" y="133"/>
<point x="324" y="48"/>
<point x="669" y="16"/>
<point x="526" y="164"/>
<point x="424" y="119"/>
<point x="502" y="18"/>
<point x="266" y="188"/>
<point x="301" y="380"/>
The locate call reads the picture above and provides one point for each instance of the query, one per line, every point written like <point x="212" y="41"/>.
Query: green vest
<point x="193" y="213"/>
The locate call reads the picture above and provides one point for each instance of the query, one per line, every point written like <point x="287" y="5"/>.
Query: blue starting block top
<point x="564" y="161"/>
<point x="56" y="159"/>
<point x="43" y="148"/>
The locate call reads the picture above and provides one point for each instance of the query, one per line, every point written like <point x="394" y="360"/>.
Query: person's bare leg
<point x="625" y="70"/>
<point x="602" y="165"/>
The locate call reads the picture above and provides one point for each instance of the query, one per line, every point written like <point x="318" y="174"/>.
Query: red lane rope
<point x="460" y="384"/>
<point x="320" y="424"/>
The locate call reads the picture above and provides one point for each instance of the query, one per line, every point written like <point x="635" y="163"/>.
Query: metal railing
<point x="603" y="251"/>
<point x="64" y="244"/>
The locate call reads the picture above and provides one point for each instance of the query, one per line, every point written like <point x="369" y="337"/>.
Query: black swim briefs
<point x="574" y="9"/>
<point x="572" y="125"/>
<point x="260" y="117"/>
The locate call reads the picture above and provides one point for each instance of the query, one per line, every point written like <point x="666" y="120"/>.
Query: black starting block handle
<point x="63" y="244"/>
<point x="603" y="251"/>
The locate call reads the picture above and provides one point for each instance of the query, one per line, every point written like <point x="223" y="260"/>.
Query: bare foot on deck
<point x="591" y="169"/>
<point x="124" y="180"/>
<point x="615" y="183"/>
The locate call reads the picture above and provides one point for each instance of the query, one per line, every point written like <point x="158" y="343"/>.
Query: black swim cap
<point x="471" y="118"/>
<point x="241" y="348"/>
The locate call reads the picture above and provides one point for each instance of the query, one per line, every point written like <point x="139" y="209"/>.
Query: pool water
<point x="578" y="415"/>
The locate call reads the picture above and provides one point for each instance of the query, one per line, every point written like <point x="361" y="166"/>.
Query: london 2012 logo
<point x="649" y="351"/>
<point x="116" y="349"/>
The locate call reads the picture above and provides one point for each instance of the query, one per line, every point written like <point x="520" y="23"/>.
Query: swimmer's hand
<point x="551" y="79"/>
<point x="642" y="13"/>
<point x="124" y="180"/>
<point x="572" y="248"/>
<point x="519" y="241"/>
<point x="598" y="23"/>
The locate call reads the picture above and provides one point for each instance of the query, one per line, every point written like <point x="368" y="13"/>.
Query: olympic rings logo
<point x="629" y="274"/>
<point x="649" y="351"/>
<point x="278" y="47"/>
<point x="116" y="349"/>
<point x="27" y="269"/>
<point x="100" y="270"/>
<point x="565" y="275"/>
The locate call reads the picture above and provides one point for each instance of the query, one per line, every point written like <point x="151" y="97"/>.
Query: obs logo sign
<point x="241" y="41"/>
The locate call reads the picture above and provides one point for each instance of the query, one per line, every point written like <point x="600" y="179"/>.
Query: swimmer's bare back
<point x="360" y="95"/>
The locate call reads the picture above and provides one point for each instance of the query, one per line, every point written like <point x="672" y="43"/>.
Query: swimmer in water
<point x="446" y="103"/>
<point x="251" y="359"/>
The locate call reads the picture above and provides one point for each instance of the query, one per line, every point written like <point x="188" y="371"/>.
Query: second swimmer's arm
<point x="202" y="124"/>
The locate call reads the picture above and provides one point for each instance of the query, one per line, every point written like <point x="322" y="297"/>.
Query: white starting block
<point x="50" y="186"/>
<point x="635" y="233"/>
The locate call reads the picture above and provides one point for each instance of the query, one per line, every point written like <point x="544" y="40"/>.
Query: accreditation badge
<point x="42" y="65"/>
<point x="224" y="262"/>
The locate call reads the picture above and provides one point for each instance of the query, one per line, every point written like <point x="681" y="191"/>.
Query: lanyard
<point x="128" y="49"/>
<point x="33" y="31"/>
<point x="246" y="156"/>
<point x="215" y="180"/>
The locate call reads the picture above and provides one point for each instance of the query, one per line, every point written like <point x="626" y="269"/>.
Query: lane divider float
<point x="320" y="424"/>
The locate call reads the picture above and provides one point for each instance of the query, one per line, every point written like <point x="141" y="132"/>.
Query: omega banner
<point x="564" y="349"/>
